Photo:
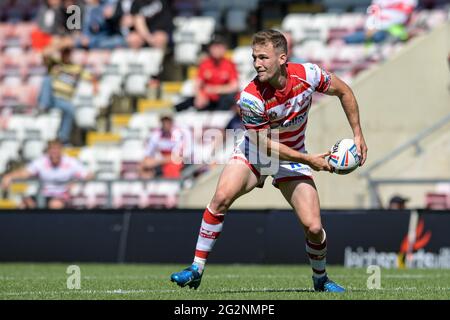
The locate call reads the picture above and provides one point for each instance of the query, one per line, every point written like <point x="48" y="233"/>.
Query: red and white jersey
<point x="55" y="179"/>
<point x="406" y="6"/>
<point x="264" y="107"/>
<point x="382" y="14"/>
<point x="161" y="143"/>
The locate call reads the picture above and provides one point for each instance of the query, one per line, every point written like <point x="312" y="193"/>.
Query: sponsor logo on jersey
<point x="249" y="104"/>
<point x="251" y="120"/>
<point x="287" y="105"/>
<point x="247" y="113"/>
<point x="270" y="101"/>
<point x="298" y="119"/>
<point x="298" y="87"/>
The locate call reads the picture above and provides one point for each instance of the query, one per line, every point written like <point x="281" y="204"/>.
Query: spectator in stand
<point x="167" y="150"/>
<point x="398" y="202"/>
<point x="50" y="18"/>
<point x="385" y="18"/>
<point x="51" y="29"/>
<point x="121" y="20"/>
<point x="96" y="31"/>
<point x="217" y="84"/>
<point x="55" y="171"/>
<point x="58" y="88"/>
<point x="152" y="22"/>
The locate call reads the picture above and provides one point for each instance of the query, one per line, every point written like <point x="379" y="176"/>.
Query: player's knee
<point x="221" y="201"/>
<point x="315" y="229"/>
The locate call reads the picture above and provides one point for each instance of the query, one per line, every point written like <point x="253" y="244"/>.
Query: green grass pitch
<point x="220" y="282"/>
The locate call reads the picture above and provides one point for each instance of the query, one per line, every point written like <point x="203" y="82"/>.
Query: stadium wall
<point x="398" y="98"/>
<point x="357" y="238"/>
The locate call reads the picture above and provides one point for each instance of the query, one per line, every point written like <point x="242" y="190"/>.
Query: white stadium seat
<point x="136" y="84"/>
<point x="132" y="150"/>
<point x="86" y="116"/>
<point x="187" y="52"/>
<point x="33" y="149"/>
<point x="107" y="162"/>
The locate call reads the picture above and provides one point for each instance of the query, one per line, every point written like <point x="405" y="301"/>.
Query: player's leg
<point x="236" y="180"/>
<point x="303" y="197"/>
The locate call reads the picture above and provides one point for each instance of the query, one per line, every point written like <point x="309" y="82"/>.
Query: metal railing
<point x="373" y="184"/>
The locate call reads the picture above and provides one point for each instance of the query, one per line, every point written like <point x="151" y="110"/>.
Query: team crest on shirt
<point x="273" y="115"/>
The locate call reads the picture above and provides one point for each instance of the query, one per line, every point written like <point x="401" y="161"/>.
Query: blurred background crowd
<point x="96" y="94"/>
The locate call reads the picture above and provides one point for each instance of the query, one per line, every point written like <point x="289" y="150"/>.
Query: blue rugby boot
<point x="326" y="285"/>
<point x="188" y="277"/>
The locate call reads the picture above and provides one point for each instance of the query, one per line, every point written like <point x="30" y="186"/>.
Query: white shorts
<point x="283" y="171"/>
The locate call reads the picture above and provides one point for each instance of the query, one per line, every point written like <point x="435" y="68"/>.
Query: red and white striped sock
<point x="317" y="256"/>
<point x="210" y="230"/>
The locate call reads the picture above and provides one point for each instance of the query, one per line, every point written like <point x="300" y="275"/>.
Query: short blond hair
<point x="276" y="38"/>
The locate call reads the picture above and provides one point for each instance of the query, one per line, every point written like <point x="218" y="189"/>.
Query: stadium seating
<point x="190" y="35"/>
<point x="123" y="72"/>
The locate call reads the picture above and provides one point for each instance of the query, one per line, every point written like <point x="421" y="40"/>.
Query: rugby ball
<point x="344" y="156"/>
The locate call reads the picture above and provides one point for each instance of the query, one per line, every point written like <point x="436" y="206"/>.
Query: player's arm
<point x="258" y="129"/>
<point x="284" y="153"/>
<point x="22" y="173"/>
<point x="348" y="101"/>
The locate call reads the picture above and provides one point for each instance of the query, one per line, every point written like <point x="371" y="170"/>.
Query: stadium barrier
<point x="357" y="238"/>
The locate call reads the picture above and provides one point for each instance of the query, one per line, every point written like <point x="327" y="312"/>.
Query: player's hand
<point x="361" y="148"/>
<point x="317" y="162"/>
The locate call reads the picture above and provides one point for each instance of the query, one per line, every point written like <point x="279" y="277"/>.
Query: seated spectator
<point x="96" y="32"/>
<point x="58" y="88"/>
<point x="50" y="18"/>
<point x="386" y="18"/>
<point x="166" y="150"/>
<point x="119" y="18"/>
<point x="152" y="22"/>
<point x="398" y="202"/>
<point x="55" y="171"/>
<point x="51" y="29"/>
<point x="217" y="84"/>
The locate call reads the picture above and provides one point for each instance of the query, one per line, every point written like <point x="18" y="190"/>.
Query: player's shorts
<point x="284" y="170"/>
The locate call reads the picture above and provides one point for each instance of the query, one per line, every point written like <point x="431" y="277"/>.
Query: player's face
<point x="55" y="153"/>
<point x="267" y="61"/>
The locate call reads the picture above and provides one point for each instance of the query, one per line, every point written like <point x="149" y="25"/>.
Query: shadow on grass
<point x="262" y="290"/>
<point x="270" y="290"/>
